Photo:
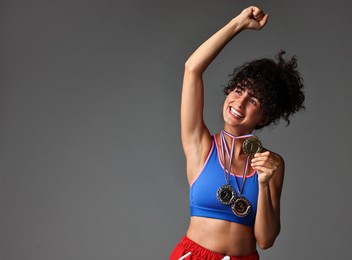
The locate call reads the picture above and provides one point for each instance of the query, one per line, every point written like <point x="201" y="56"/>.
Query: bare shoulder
<point x="281" y="163"/>
<point x="277" y="180"/>
<point x="279" y="159"/>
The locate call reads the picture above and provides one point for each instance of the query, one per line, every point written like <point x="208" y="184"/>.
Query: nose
<point x="242" y="102"/>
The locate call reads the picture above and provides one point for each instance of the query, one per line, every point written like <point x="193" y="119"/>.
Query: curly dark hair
<point x="276" y="83"/>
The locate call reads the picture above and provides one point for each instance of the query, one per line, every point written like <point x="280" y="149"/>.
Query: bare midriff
<point x="223" y="237"/>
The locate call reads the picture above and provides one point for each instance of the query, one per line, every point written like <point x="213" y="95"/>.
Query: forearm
<point x="267" y="224"/>
<point x="207" y="52"/>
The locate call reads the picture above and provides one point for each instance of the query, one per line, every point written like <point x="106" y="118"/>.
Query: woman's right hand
<point x="253" y="18"/>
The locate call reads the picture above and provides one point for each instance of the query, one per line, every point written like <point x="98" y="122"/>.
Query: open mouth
<point x="236" y="113"/>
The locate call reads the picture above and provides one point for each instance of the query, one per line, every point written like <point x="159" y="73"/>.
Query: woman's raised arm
<point x="196" y="139"/>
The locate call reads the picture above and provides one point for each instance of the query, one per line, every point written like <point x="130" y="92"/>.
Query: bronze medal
<point x="226" y="194"/>
<point x="252" y="145"/>
<point x="241" y="207"/>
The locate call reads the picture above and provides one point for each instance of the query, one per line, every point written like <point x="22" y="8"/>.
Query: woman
<point x="235" y="192"/>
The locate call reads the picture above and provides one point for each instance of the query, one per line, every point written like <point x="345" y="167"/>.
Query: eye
<point x="238" y="91"/>
<point x="253" y="102"/>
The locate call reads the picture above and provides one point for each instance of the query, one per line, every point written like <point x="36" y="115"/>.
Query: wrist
<point x="239" y="23"/>
<point x="263" y="184"/>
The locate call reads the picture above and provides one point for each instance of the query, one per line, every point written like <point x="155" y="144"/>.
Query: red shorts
<point x="190" y="250"/>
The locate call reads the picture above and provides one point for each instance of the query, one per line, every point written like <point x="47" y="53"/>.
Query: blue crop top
<point x="203" y="201"/>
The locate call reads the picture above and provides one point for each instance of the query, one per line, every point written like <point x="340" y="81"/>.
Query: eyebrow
<point x="250" y="93"/>
<point x="254" y="96"/>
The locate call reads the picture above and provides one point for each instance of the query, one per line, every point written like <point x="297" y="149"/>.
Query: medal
<point x="241" y="207"/>
<point x="226" y="194"/>
<point x="252" y="145"/>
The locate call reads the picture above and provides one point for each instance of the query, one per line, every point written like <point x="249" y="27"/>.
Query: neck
<point x="237" y="132"/>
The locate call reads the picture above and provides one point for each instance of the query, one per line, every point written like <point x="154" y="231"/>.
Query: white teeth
<point x="236" y="113"/>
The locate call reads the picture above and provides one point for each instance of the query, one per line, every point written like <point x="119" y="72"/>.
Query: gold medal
<point x="252" y="145"/>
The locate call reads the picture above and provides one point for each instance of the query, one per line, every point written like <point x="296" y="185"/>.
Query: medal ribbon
<point x="230" y="155"/>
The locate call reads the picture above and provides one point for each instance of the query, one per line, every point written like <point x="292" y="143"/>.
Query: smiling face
<point x="242" y="111"/>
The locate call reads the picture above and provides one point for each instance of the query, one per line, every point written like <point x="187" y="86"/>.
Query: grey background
<point x="91" y="165"/>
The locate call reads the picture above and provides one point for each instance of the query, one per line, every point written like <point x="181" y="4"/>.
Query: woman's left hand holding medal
<point x="266" y="164"/>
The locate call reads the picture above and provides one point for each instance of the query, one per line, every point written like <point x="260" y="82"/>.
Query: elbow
<point x="267" y="241"/>
<point x="191" y="66"/>
<point x="263" y="245"/>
